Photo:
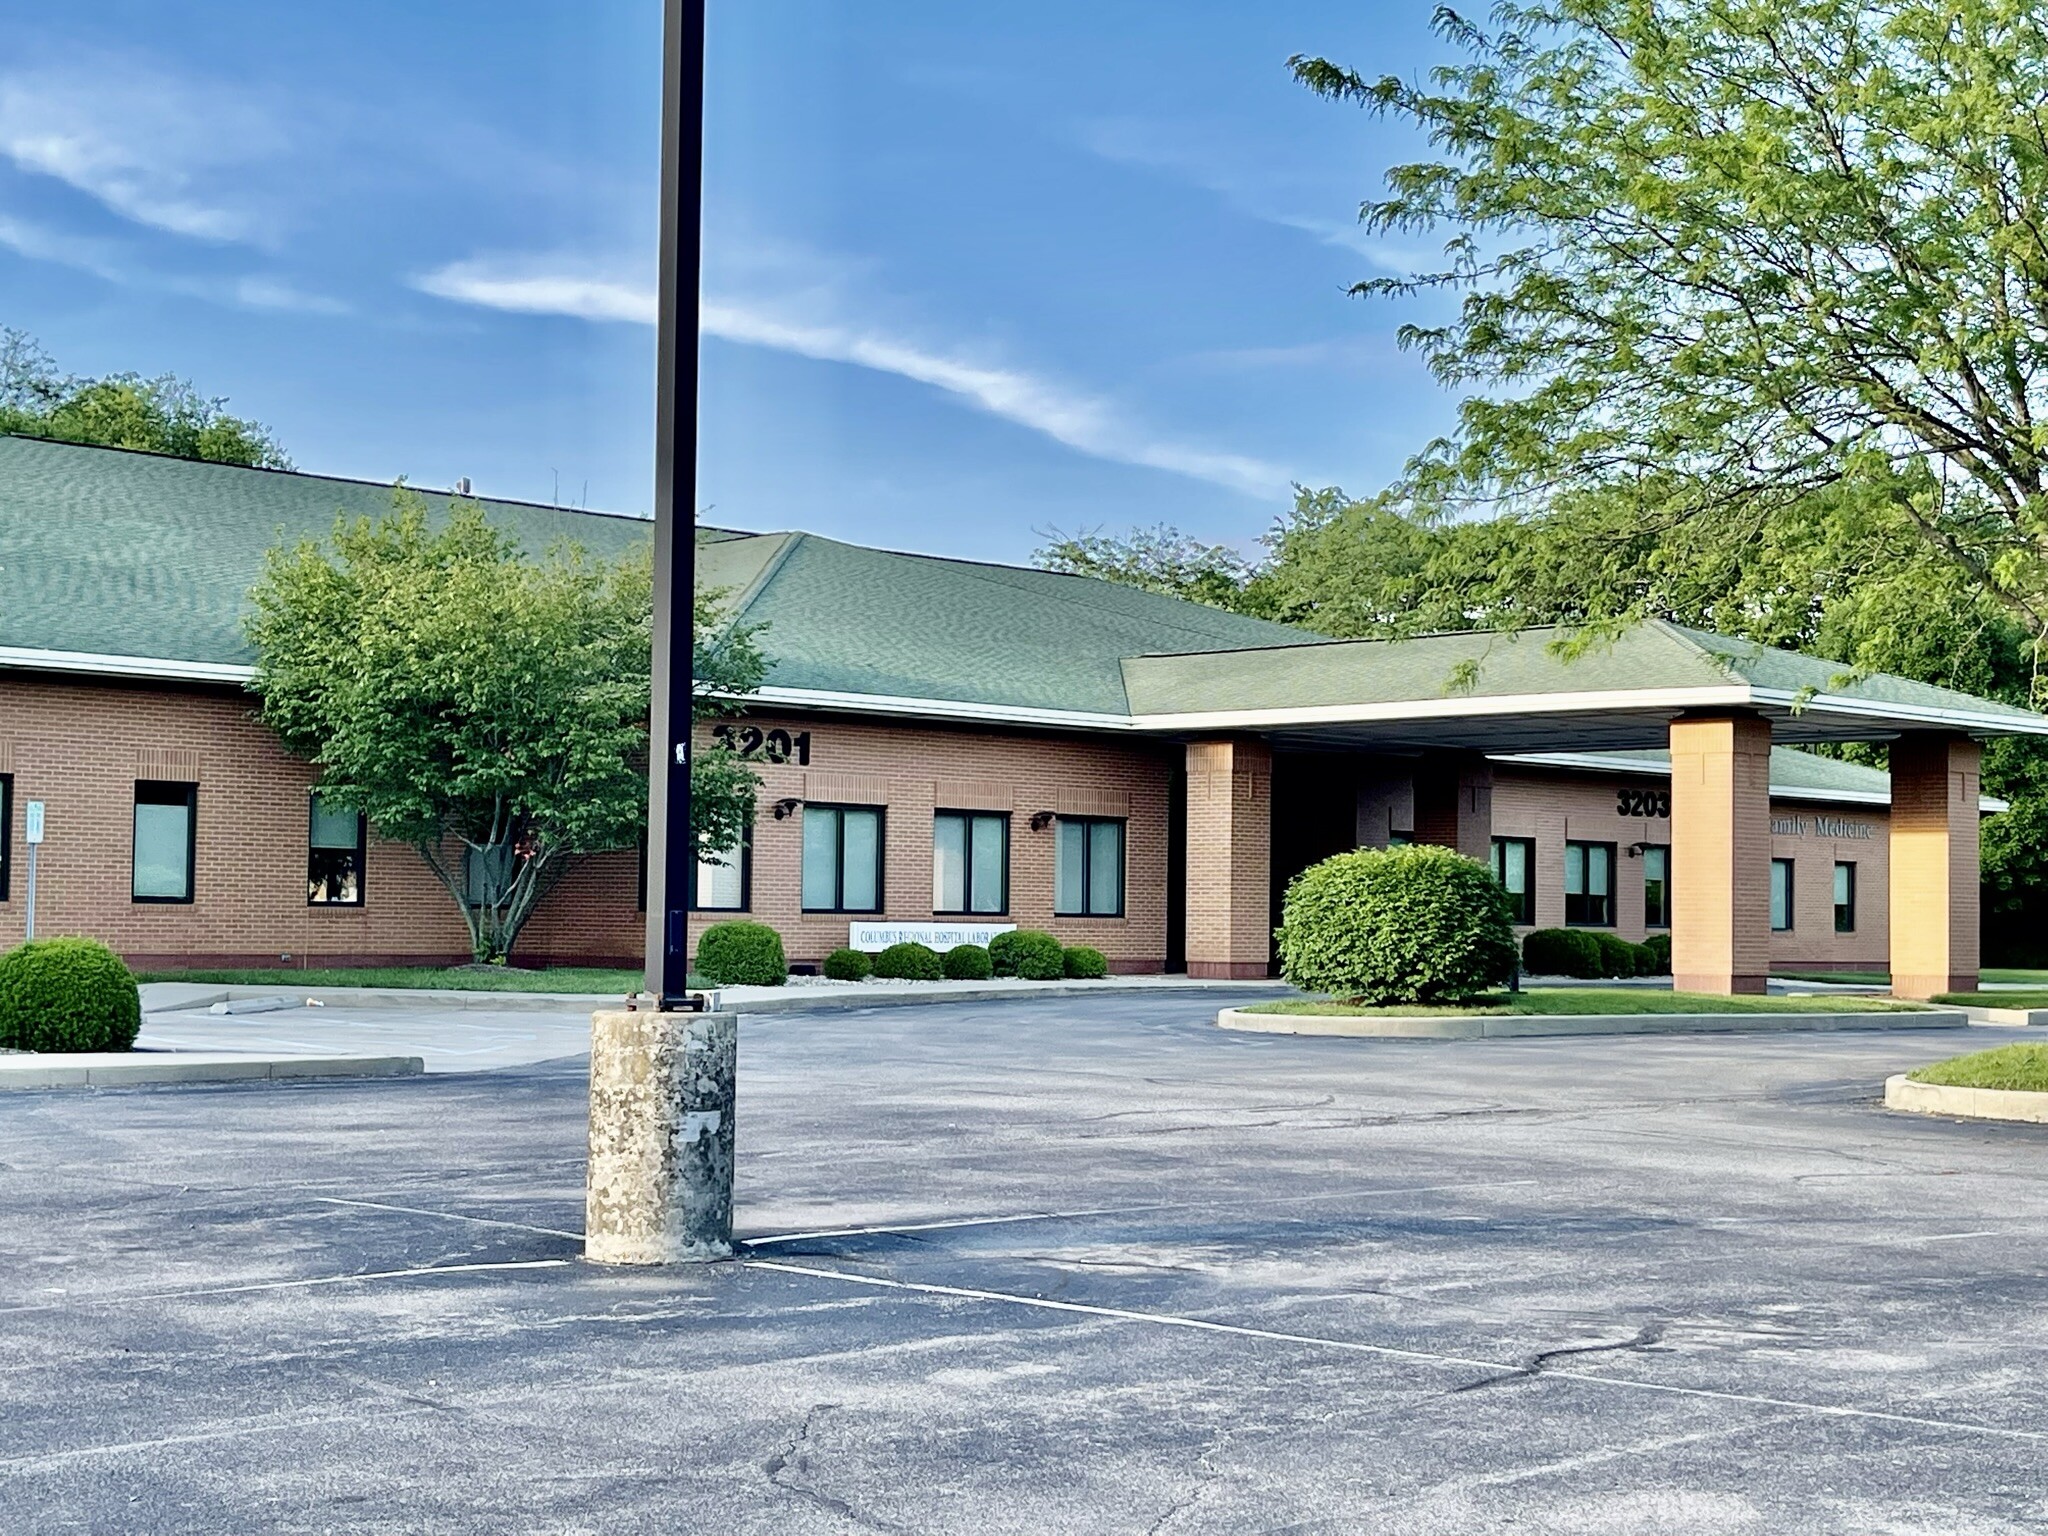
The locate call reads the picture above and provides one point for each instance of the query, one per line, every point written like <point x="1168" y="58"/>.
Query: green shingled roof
<point x="134" y="554"/>
<point x="846" y="619"/>
<point x="1654" y="655"/>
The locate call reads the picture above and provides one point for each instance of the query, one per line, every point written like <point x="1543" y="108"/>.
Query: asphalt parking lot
<point x="1065" y="1265"/>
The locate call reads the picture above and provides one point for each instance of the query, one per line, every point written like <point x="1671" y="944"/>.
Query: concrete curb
<point x="2016" y="1018"/>
<point x="794" y="1000"/>
<point x="1527" y="1026"/>
<point x="1901" y="1092"/>
<point x="119" y="1069"/>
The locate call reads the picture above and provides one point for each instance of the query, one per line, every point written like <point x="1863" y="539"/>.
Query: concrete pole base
<point x="661" y="1123"/>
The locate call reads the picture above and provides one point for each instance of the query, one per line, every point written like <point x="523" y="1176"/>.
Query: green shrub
<point x="741" y="955"/>
<point x="1399" y="925"/>
<point x="1561" y="952"/>
<point x="1617" y="955"/>
<point x="67" y="995"/>
<point x="1659" y="948"/>
<point x="909" y="962"/>
<point x="848" y="965"/>
<point x="968" y="962"/>
<point x="1033" y="956"/>
<point x="1084" y="964"/>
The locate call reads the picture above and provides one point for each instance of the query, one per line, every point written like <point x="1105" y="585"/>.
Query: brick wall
<point x="912" y="770"/>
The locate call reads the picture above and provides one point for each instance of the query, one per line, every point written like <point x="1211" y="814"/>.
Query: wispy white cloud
<point x="153" y="148"/>
<point x="543" y="285"/>
<point x="1079" y="420"/>
<point x="38" y="242"/>
<point x="276" y="293"/>
<point x="812" y="324"/>
<point x="1256" y="191"/>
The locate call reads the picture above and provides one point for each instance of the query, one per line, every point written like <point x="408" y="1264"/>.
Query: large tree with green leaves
<point x="123" y="410"/>
<point x="487" y="708"/>
<point x="1713" y="255"/>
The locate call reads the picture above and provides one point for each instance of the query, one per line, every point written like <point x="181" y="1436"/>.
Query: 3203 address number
<point x="1642" y="802"/>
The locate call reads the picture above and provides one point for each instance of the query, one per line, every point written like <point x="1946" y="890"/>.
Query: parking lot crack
<point x="792" y="1462"/>
<point x="1646" y="1337"/>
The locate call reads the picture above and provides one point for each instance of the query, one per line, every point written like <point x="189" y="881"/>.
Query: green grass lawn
<point x="1994" y="999"/>
<point x="2022" y="1067"/>
<point x="1582" y="1000"/>
<point x="462" y="978"/>
<point x="2004" y="975"/>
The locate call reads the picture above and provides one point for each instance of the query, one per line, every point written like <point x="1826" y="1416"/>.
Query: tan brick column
<point x="1720" y="853"/>
<point x="1229" y="850"/>
<point x="1934" y="870"/>
<point x="1454" y="803"/>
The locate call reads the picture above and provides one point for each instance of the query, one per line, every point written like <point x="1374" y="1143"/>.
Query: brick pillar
<point x="1720" y="853"/>
<point x="1934" y="869"/>
<point x="1229" y="852"/>
<point x="1454" y="803"/>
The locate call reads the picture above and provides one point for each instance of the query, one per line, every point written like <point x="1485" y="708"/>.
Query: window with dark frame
<point x="336" y="845"/>
<point x="1657" y="886"/>
<point x="1781" y="895"/>
<point x="166" y="841"/>
<point x="842" y="870"/>
<point x="1514" y="863"/>
<point x="1088" y="872"/>
<point x="1589" y="885"/>
<point x="6" y="831"/>
<point x="1845" y="898"/>
<point x="720" y="882"/>
<point x="970" y="863"/>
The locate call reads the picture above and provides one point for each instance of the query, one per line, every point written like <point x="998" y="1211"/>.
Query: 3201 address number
<point x="777" y="746"/>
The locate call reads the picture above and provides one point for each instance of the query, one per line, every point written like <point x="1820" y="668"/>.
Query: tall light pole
<point x="659" y="1189"/>
<point x="671" y="851"/>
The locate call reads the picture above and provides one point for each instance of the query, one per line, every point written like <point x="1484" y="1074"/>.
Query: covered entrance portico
<point x="1340" y="715"/>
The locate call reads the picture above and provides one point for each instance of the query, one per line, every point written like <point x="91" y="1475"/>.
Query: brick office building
<point x="947" y="743"/>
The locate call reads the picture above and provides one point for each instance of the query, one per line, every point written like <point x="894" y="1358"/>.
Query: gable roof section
<point x="1652" y="665"/>
<point x="108" y="553"/>
<point x="844" y="620"/>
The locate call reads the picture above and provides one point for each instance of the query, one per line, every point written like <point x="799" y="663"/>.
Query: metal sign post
<point x="659" y="1188"/>
<point x="34" y="829"/>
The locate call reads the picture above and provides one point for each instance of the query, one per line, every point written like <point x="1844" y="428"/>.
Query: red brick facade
<point x="80" y="746"/>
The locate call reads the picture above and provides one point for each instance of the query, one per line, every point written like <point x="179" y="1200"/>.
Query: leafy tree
<point x="1716" y="254"/>
<point x="1159" y="559"/>
<point x="486" y="708"/>
<point x="123" y="410"/>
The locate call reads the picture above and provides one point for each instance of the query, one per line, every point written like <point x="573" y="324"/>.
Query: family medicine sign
<point x="1822" y="826"/>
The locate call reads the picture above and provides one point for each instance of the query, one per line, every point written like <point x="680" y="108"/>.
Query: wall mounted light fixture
<point x="783" y="808"/>
<point x="1040" y="820"/>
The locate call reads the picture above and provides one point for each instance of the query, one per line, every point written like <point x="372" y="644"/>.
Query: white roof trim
<point x="1453" y="708"/>
<point x="939" y="709"/>
<point x="94" y="664"/>
<point x="1925" y="714"/>
<point x="1649" y="767"/>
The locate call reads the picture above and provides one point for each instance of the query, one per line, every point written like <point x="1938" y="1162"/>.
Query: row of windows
<point x="165" y="846"/>
<point x="843" y="861"/>
<point x="1589" y="886"/>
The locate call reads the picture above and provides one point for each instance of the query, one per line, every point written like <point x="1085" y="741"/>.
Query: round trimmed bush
<point x="848" y="965"/>
<point x="1617" y="955"/>
<point x="1658" y="947"/>
<point x="909" y="962"/>
<point x="967" y="962"/>
<point x="1031" y="955"/>
<point x="1084" y="964"/>
<point x="67" y="995"/>
<point x="742" y="954"/>
<point x="1561" y="952"/>
<point x="1399" y="925"/>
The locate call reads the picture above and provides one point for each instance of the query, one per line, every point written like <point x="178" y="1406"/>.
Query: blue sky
<point x="971" y="271"/>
